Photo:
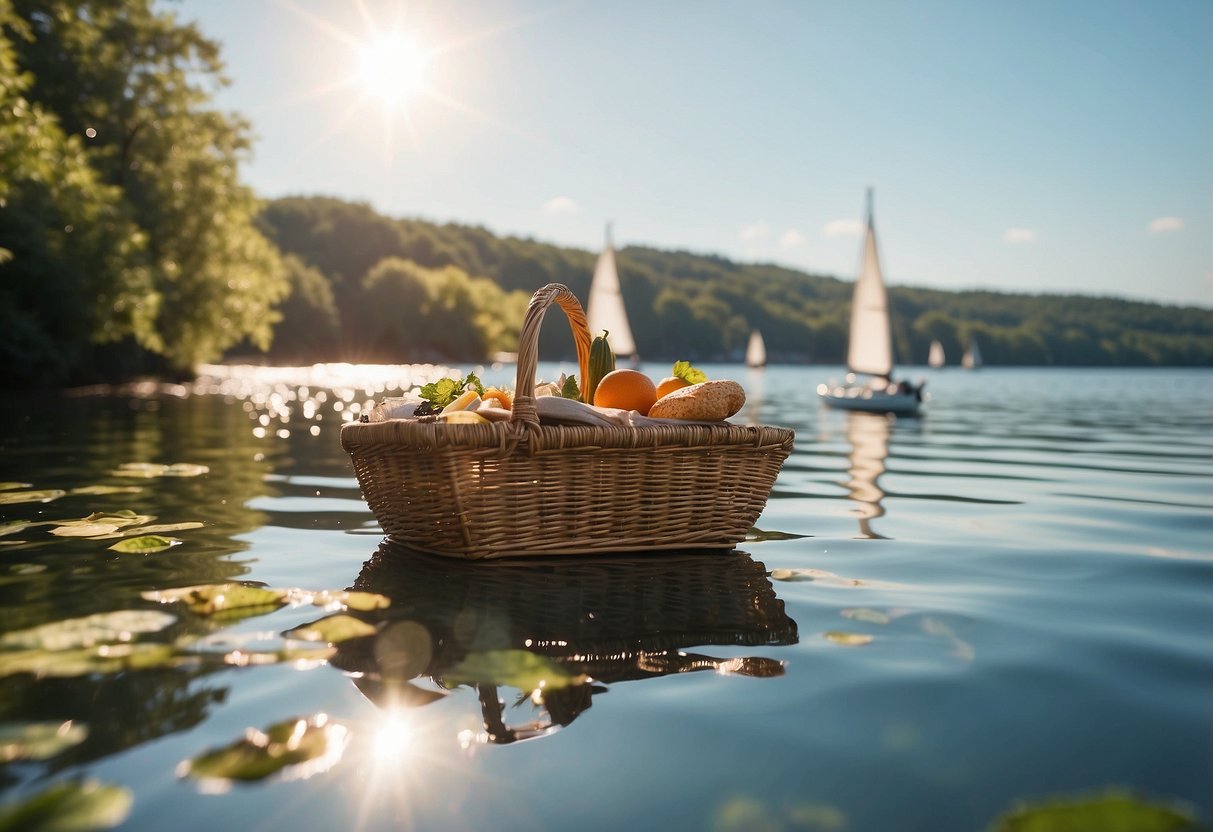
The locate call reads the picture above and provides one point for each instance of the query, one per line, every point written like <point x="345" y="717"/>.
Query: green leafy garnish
<point x="569" y="390"/>
<point x="442" y="392"/>
<point x="684" y="371"/>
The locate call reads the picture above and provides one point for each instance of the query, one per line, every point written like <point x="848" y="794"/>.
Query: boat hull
<point x="870" y="401"/>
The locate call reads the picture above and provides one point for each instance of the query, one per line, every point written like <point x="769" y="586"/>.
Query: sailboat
<point x="605" y="310"/>
<point x="756" y="350"/>
<point x="972" y="356"/>
<point x="870" y="348"/>
<point x="935" y="355"/>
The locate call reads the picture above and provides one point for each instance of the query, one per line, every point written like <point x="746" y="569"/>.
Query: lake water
<point x="1005" y="601"/>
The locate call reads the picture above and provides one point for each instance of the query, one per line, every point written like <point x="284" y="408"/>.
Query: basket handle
<point x="528" y="346"/>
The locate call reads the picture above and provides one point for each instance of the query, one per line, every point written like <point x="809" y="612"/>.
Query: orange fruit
<point x="669" y="385"/>
<point x="626" y="390"/>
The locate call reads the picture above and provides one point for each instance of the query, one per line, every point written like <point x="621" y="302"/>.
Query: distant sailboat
<point x="935" y="356"/>
<point x="870" y="349"/>
<point x="605" y="310"/>
<point x="972" y="356"/>
<point x="756" y="350"/>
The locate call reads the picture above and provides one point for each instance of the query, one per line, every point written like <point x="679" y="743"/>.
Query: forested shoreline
<point x="129" y="246"/>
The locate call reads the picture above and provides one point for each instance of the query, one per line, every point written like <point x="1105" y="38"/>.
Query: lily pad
<point x="8" y="498"/>
<point x="309" y="656"/>
<point x="149" y="470"/>
<point x="9" y="486"/>
<point x="103" y="490"/>
<point x="38" y="740"/>
<point x="84" y="530"/>
<point x="86" y="661"/>
<point x="360" y="601"/>
<point x="14" y="526"/>
<point x="333" y="629"/>
<point x="867" y="615"/>
<point x="848" y="639"/>
<point x="71" y="806"/>
<point x="294" y="748"/>
<point x="1112" y="811"/>
<point x="210" y="599"/>
<point x="519" y="669"/>
<point x="144" y="544"/>
<point x="99" y="628"/>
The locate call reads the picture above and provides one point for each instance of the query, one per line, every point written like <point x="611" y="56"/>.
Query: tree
<point x="129" y="86"/>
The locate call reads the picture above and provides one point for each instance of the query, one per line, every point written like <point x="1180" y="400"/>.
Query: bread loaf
<point x="708" y="401"/>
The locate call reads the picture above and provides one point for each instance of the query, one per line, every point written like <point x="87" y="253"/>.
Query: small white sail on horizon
<point x="756" y="350"/>
<point x="972" y="356"/>
<point x="605" y="310"/>
<point x="935" y="357"/>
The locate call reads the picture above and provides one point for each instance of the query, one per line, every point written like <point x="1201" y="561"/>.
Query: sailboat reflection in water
<point x="557" y="631"/>
<point x="868" y="434"/>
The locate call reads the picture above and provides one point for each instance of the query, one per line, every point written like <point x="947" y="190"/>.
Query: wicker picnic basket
<point x="521" y="488"/>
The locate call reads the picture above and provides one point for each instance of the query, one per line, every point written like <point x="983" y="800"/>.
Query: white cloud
<point x="755" y="231"/>
<point x="1164" y="225"/>
<point x="792" y="239"/>
<point x="842" y="228"/>
<point x="560" y="205"/>
<point x="1019" y="235"/>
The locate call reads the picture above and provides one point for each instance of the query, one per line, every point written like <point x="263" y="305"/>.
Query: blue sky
<point x="1051" y="145"/>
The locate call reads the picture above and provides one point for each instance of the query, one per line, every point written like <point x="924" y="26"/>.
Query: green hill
<point x="371" y="287"/>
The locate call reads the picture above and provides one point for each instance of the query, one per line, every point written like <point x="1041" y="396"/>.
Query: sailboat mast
<point x="605" y="310"/>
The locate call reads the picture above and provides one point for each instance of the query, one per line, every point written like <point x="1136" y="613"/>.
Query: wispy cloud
<point x="1019" y="235"/>
<point x="755" y="231"/>
<point x="560" y="205"/>
<point x="1165" y="225"/>
<point x="792" y="239"/>
<point x="842" y="228"/>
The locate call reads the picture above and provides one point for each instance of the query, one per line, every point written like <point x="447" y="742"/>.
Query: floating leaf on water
<point x="296" y="748"/>
<point x="333" y="629"/>
<point x="8" y="498"/>
<point x="519" y="669"/>
<point x="160" y="528"/>
<point x="84" y="530"/>
<point x="9" y="486"/>
<point x="848" y="639"/>
<point x="144" y="544"/>
<point x="86" y="661"/>
<point x="14" y="526"/>
<point x="73" y="805"/>
<point x="122" y="518"/>
<point x="148" y="470"/>
<point x="818" y="575"/>
<point x="757" y="535"/>
<point x="360" y="601"/>
<point x="1113" y="811"/>
<point x="210" y="599"/>
<point x="313" y="655"/>
<point x="38" y="740"/>
<point x="99" y="628"/>
<point x="102" y="490"/>
<point x="864" y="614"/>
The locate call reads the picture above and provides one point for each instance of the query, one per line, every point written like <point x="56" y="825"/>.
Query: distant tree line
<point x="128" y="245"/>
<point x="366" y="268"/>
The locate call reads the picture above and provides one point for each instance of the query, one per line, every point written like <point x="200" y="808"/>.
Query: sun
<point x="392" y="68"/>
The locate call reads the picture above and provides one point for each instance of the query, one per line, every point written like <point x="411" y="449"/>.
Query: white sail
<point x="972" y="356"/>
<point x="605" y="310"/>
<point x="756" y="350"/>
<point x="935" y="356"/>
<point x="870" y="350"/>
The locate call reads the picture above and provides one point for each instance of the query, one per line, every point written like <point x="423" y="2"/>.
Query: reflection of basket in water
<point x="613" y="619"/>
<point x="519" y="488"/>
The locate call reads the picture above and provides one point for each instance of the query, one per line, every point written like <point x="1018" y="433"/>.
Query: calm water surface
<point x="1005" y="600"/>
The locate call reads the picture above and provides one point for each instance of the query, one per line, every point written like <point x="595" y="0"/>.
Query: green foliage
<point x="685" y="305"/>
<point x="124" y="219"/>
<point x="442" y="392"/>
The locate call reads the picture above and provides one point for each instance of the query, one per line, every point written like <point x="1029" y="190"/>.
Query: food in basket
<point x="497" y="397"/>
<point x="467" y="400"/>
<point x="626" y="390"/>
<point x="602" y="362"/>
<point x="462" y="417"/>
<point x="707" y="401"/>
<point x="682" y="375"/>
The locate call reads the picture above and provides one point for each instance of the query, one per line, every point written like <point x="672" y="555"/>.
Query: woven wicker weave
<point x="519" y="488"/>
